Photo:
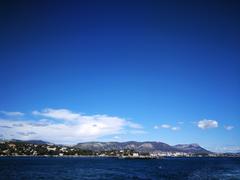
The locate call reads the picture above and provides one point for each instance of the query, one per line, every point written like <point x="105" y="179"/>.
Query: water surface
<point x="113" y="168"/>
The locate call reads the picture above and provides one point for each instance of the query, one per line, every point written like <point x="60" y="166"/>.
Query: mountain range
<point x="147" y="146"/>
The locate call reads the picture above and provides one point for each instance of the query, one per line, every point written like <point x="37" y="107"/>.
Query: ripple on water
<point x="233" y="174"/>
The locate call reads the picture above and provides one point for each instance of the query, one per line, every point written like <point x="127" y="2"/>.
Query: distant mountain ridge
<point x="33" y="141"/>
<point x="191" y="148"/>
<point x="147" y="146"/>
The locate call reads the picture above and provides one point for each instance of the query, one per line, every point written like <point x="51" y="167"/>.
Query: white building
<point x="135" y="155"/>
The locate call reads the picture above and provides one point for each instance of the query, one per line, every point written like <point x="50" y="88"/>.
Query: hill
<point x="147" y="146"/>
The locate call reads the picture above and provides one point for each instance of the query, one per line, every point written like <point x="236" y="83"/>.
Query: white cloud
<point x="167" y="126"/>
<point x="12" y="113"/>
<point x="228" y="127"/>
<point x="175" y="128"/>
<point x="67" y="128"/>
<point x="62" y="114"/>
<point x="207" y="124"/>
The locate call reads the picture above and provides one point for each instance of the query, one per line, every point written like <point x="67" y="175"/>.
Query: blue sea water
<point x="113" y="168"/>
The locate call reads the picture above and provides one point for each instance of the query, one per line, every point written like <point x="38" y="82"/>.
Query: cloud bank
<point x="66" y="127"/>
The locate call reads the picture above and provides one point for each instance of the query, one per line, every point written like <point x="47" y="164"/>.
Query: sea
<point x="114" y="168"/>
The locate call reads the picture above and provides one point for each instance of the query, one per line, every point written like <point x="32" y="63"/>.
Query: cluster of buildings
<point x="23" y="149"/>
<point x="133" y="154"/>
<point x="170" y="154"/>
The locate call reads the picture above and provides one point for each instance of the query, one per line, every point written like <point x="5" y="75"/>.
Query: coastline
<point x="117" y="157"/>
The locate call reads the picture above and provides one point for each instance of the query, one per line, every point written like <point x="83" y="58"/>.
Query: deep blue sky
<point x="154" y="62"/>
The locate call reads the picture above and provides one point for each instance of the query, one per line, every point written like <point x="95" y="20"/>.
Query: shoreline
<point x="118" y="157"/>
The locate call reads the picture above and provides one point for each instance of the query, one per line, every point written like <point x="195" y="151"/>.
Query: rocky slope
<point x="148" y="146"/>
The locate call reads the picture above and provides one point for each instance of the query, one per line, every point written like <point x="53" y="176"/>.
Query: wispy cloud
<point x="207" y="124"/>
<point x="116" y="137"/>
<point x="134" y="125"/>
<point x="26" y="133"/>
<point x="228" y="127"/>
<point x="175" y="128"/>
<point x="12" y="113"/>
<point x="180" y="122"/>
<point x="67" y="126"/>
<point x="137" y="132"/>
<point x="61" y="114"/>
<point x="4" y="126"/>
<point x="167" y="126"/>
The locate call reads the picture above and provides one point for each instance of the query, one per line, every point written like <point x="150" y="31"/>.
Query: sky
<point x="76" y="71"/>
